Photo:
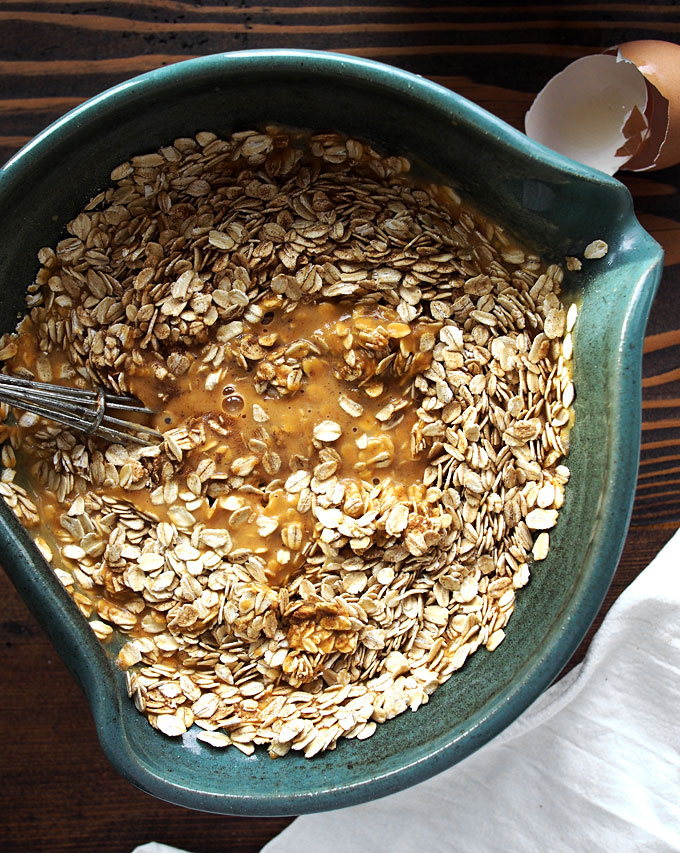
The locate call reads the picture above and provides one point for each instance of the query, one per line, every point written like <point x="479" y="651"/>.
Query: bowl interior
<point x="550" y="203"/>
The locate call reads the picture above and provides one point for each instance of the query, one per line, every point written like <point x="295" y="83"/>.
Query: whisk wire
<point x="85" y="411"/>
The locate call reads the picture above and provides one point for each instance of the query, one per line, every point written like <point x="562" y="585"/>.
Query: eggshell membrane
<point x="659" y="63"/>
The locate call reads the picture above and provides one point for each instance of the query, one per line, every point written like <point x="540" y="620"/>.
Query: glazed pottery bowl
<point x="551" y="203"/>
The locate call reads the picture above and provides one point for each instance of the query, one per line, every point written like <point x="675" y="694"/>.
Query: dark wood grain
<point x="60" y="793"/>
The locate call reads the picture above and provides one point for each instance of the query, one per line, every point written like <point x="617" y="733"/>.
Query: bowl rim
<point x="74" y="640"/>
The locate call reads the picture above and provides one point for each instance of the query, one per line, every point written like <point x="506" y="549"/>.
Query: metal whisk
<point x="86" y="411"/>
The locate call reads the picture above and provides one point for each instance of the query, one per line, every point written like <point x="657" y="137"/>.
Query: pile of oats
<point x="364" y="389"/>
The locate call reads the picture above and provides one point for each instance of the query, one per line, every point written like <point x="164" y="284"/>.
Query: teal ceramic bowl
<point x="553" y="204"/>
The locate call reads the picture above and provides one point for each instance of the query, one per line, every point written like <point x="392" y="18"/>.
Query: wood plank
<point x="662" y="340"/>
<point x="661" y="378"/>
<point x="35" y="106"/>
<point x="14" y="142"/>
<point x="659" y="460"/>
<point x="654" y="12"/>
<point x="112" y="23"/>
<point x="127" y="65"/>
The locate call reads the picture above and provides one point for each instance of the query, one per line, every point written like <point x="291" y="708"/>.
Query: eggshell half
<point x="583" y="110"/>
<point x="619" y="109"/>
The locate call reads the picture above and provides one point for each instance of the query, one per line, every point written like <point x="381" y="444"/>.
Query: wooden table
<point x="59" y="792"/>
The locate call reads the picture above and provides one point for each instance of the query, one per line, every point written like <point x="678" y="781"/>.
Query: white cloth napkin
<point x="592" y="765"/>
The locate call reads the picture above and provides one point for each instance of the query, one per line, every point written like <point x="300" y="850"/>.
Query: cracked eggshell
<point x="619" y="109"/>
<point x="659" y="62"/>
